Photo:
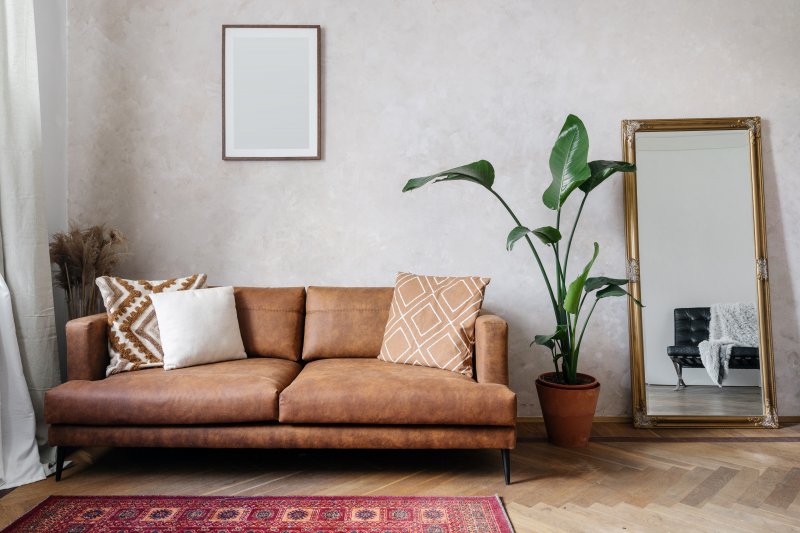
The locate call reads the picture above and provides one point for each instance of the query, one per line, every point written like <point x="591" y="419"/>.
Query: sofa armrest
<point x="87" y="347"/>
<point x="491" y="350"/>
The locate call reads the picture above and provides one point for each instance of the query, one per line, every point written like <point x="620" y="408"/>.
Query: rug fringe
<point x="505" y="513"/>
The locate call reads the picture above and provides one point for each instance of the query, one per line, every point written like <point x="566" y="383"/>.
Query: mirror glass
<point x="700" y="330"/>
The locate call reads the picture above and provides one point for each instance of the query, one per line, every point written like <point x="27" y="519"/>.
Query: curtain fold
<point x="19" y="455"/>
<point x="24" y="260"/>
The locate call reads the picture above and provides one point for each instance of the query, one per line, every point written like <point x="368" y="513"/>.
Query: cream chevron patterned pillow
<point x="432" y="321"/>
<point x="134" y="341"/>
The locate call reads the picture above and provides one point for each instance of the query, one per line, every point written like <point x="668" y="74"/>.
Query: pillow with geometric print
<point x="432" y="321"/>
<point x="134" y="341"/>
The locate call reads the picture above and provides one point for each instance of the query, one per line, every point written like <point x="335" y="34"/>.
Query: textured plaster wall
<point x="410" y="88"/>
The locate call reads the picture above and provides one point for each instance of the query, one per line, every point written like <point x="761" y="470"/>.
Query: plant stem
<point x="586" y="322"/>
<point x="535" y="254"/>
<point x="556" y="248"/>
<point x="578" y="312"/>
<point x="562" y="290"/>
<point x="568" y="352"/>
<point x="572" y="233"/>
<point x="560" y="273"/>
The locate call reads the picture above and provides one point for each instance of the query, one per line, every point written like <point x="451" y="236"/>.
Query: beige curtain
<point x="24" y="261"/>
<point x="19" y="455"/>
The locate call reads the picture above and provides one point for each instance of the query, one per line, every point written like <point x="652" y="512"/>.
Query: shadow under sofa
<point x="311" y="380"/>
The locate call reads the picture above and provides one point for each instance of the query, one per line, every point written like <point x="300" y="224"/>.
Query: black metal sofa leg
<point x="61" y="455"/>
<point x="505" y="453"/>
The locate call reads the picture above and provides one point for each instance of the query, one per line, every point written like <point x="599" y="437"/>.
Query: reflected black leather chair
<point x="691" y="328"/>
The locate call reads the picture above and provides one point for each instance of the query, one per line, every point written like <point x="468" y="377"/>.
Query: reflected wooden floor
<point x="700" y="400"/>
<point x="731" y="480"/>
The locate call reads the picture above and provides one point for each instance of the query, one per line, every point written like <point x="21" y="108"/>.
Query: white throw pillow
<point x="198" y="327"/>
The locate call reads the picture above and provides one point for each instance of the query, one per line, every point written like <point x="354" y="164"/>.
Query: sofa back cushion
<point x="345" y="321"/>
<point x="271" y="321"/>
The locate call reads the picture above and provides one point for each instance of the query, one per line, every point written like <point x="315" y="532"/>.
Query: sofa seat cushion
<point x="245" y="390"/>
<point x="370" y="391"/>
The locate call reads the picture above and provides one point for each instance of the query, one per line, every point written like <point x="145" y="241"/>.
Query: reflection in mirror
<point x="700" y="324"/>
<point x="701" y="347"/>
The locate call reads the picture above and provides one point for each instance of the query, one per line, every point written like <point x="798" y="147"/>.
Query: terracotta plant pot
<point x="568" y="410"/>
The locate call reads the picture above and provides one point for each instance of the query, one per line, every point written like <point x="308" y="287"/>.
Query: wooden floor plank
<point x="670" y="480"/>
<point x="762" y="487"/>
<point x="709" y="487"/>
<point x="786" y="491"/>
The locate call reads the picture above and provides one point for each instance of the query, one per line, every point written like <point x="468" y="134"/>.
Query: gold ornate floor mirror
<point x="701" y="348"/>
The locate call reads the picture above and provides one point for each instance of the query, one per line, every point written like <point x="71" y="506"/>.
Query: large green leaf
<point x="549" y="340"/>
<point x="568" y="162"/>
<point x="602" y="170"/>
<point x="615" y="290"/>
<point x="595" y="283"/>
<point x="546" y="234"/>
<point x="610" y="291"/>
<point x="572" y="300"/>
<point x="480" y="172"/>
<point x="544" y="340"/>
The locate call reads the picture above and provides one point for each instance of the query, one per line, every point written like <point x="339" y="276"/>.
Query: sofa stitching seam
<point x="269" y="309"/>
<point x="308" y="312"/>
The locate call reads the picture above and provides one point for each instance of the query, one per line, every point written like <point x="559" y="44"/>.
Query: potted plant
<point x="568" y="398"/>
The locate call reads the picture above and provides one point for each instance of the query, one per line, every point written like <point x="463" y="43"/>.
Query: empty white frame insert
<point x="271" y="92"/>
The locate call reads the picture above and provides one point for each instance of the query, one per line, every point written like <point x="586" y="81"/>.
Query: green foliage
<point x="550" y="340"/>
<point x="568" y="163"/>
<point x="480" y="172"/>
<point x="575" y="291"/>
<point x="546" y="234"/>
<point x="600" y="170"/>
<point x="593" y="284"/>
<point x="616" y="290"/>
<point x="570" y="170"/>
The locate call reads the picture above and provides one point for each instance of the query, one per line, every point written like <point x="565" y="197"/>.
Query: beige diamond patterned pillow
<point x="134" y="341"/>
<point x="432" y="321"/>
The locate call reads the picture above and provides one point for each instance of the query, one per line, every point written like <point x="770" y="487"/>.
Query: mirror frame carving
<point x="769" y="418"/>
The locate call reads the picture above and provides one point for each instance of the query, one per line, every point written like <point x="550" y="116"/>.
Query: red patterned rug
<point x="286" y="514"/>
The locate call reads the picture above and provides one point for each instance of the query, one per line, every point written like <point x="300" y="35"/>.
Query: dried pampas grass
<point x="81" y="256"/>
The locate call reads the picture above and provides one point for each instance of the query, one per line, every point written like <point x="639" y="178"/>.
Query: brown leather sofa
<point x="311" y="380"/>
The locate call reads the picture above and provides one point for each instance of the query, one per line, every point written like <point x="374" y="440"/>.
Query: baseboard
<point x="788" y="419"/>
<point x="597" y="420"/>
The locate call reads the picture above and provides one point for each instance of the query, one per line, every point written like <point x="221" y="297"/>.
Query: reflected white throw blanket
<point x="731" y="325"/>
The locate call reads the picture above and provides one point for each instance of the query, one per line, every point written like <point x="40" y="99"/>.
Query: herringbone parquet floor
<point x="626" y="480"/>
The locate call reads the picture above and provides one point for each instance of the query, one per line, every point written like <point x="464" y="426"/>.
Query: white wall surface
<point x="696" y="232"/>
<point x="410" y="88"/>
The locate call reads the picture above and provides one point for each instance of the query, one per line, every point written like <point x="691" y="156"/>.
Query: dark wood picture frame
<point x="317" y="155"/>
